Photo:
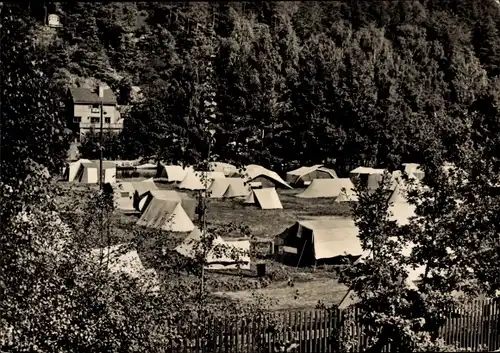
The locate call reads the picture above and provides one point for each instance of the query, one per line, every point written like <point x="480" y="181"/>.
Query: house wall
<point x="86" y="112"/>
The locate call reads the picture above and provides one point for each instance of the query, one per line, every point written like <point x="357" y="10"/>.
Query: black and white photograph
<point x="250" y="176"/>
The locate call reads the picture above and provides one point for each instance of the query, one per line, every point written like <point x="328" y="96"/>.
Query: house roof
<point x="82" y="95"/>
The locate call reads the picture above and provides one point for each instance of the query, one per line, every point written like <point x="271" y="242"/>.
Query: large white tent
<point x="266" y="199"/>
<point x="192" y="182"/>
<point x="263" y="177"/>
<point x="236" y="188"/>
<point x="166" y="215"/>
<point x="222" y="255"/>
<point x="175" y="173"/>
<point x="73" y="168"/>
<point x="327" y="188"/>
<point x="308" y="241"/>
<point x="305" y="175"/>
<point x="188" y="203"/>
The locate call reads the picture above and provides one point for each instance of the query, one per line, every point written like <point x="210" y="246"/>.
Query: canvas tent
<point x="305" y="175"/>
<point x="262" y="177"/>
<point x="374" y="180"/>
<point x="266" y="199"/>
<point x="399" y="207"/>
<point x="166" y="215"/>
<point x="141" y="188"/>
<point x="236" y="188"/>
<point x="73" y="168"/>
<point x="223" y="254"/>
<point x="175" y="173"/>
<point x="327" y="188"/>
<point x="227" y="169"/>
<point x="124" y="260"/>
<point x="415" y="169"/>
<point x="191" y="182"/>
<point x="124" y="196"/>
<point x="310" y="241"/>
<point x="228" y="188"/>
<point x="89" y="172"/>
<point x="187" y="202"/>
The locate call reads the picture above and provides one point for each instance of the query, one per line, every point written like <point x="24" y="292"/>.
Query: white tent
<point x="73" y="168"/>
<point x="175" y="173"/>
<point x="192" y="182"/>
<point x="318" y="239"/>
<point x="124" y="196"/>
<point x="236" y="188"/>
<point x="415" y="169"/>
<point x="308" y="174"/>
<point x="188" y="203"/>
<point x="374" y="180"/>
<point x="88" y="173"/>
<point x="266" y="199"/>
<point x="218" y="188"/>
<point x="222" y="255"/>
<point x="327" y="188"/>
<point x="226" y="168"/>
<point x="367" y="170"/>
<point x="166" y="215"/>
<point x="128" y="262"/>
<point x="257" y="173"/>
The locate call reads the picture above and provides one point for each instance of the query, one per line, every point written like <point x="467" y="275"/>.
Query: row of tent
<point x="171" y="210"/>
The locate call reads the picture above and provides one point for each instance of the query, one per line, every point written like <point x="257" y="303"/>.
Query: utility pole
<point x="101" y="94"/>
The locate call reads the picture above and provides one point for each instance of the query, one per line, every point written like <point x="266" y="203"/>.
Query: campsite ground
<point x="310" y="285"/>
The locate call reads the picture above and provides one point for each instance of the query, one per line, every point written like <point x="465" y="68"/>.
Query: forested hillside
<point x="364" y="82"/>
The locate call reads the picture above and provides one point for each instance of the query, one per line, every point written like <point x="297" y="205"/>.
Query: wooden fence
<point x="476" y="327"/>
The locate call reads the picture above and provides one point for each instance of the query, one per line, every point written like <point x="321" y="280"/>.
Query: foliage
<point x="359" y="82"/>
<point x="445" y="240"/>
<point x="33" y="125"/>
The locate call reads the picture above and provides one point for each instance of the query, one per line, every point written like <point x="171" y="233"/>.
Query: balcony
<point x="97" y="126"/>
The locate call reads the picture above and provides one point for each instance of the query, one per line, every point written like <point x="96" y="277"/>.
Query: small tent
<point x="166" y="215"/>
<point x="236" y="188"/>
<point x="324" y="239"/>
<point x="327" y="188"/>
<point x="305" y="175"/>
<point x="249" y="199"/>
<point x="259" y="176"/>
<point x="88" y="173"/>
<point x="124" y="260"/>
<point x="141" y="188"/>
<point x="415" y="169"/>
<point x="400" y="209"/>
<point x="73" y="168"/>
<point x="187" y="202"/>
<point x="109" y="171"/>
<point x="124" y="196"/>
<point x="229" y="170"/>
<point x="362" y="173"/>
<point x="218" y="188"/>
<point x="222" y="255"/>
<point x="175" y="173"/>
<point x="191" y="182"/>
<point x="266" y="199"/>
<point x="374" y="180"/>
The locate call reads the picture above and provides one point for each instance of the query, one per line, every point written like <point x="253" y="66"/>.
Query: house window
<point x="77" y="119"/>
<point x="107" y="120"/>
<point x="94" y="120"/>
<point x="95" y="106"/>
<point x="124" y="194"/>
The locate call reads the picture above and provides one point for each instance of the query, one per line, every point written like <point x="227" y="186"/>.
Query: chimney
<point x="101" y="91"/>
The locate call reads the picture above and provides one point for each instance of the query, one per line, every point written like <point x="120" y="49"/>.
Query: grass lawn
<point x="313" y="285"/>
